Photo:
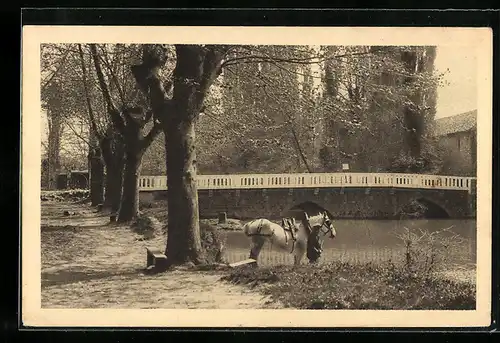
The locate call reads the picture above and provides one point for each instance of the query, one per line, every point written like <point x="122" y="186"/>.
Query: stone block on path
<point x="248" y="262"/>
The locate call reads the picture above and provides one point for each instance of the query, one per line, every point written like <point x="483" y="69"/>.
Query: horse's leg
<point x="299" y="254"/>
<point x="257" y="244"/>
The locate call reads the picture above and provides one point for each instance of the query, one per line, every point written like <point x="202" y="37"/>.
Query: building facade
<point x="458" y="135"/>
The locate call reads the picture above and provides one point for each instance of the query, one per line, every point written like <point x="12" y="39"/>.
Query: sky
<point x="460" y="95"/>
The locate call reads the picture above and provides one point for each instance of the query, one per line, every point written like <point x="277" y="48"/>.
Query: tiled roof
<point x="457" y="123"/>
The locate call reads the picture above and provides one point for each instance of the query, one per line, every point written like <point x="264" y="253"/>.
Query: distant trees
<point x="265" y="116"/>
<point x="62" y="89"/>
<point x="312" y="109"/>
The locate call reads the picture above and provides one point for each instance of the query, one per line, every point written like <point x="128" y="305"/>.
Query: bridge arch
<point x="310" y="207"/>
<point x="423" y="207"/>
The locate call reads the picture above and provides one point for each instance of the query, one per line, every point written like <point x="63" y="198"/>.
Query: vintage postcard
<point x="256" y="176"/>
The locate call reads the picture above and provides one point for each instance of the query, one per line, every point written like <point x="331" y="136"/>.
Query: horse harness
<point x="290" y="225"/>
<point x="259" y="229"/>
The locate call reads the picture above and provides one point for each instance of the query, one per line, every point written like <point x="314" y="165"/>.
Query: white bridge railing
<point x="320" y="180"/>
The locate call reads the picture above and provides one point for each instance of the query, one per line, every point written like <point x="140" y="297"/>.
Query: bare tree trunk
<point x="184" y="242"/>
<point x="129" y="207"/>
<point x="96" y="174"/>
<point x="134" y="150"/>
<point x="196" y="69"/>
<point x="54" y="147"/>
<point x="113" y="154"/>
<point x="129" y="121"/>
<point x="113" y="188"/>
<point x="413" y="116"/>
<point x="300" y="151"/>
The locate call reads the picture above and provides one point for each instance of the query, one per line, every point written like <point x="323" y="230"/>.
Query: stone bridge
<point x="344" y="195"/>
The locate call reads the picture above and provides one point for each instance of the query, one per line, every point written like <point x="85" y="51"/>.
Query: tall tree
<point x="368" y="101"/>
<point x="196" y="68"/>
<point x="110" y="147"/>
<point x="129" y="123"/>
<point x="52" y="62"/>
<point x="55" y="127"/>
<point x="419" y="110"/>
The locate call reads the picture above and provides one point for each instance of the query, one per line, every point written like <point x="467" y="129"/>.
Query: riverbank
<point x="89" y="263"/>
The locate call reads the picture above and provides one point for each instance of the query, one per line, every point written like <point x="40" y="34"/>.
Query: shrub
<point x="427" y="252"/>
<point x="213" y="243"/>
<point x="64" y="195"/>
<point x="146" y="225"/>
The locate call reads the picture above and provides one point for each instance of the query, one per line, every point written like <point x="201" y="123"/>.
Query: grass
<point x="342" y="285"/>
<point x="64" y="195"/>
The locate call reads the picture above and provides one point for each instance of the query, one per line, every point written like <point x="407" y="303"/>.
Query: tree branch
<point x="116" y="118"/>
<point x="63" y="59"/>
<point x="307" y="60"/>
<point x="85" y="140"/>
<point x="212" y="68"/>
<point x="294" y="135"/>
<point x="87" y="95"/>
<point x="150" y="137"/>
<point x="114" y="78"/>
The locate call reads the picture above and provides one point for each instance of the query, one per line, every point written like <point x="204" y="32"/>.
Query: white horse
<point x="262" y="230"/>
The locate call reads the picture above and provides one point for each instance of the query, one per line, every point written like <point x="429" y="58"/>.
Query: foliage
<point x="453" y="162"/>
<point x="349" y="286"/>
<point x="293" y="108"/>
<point x="147" y="225"/>
<point x="369" y="92"/>
<point x="213" y="243"/>
<point x="263" y="114"/>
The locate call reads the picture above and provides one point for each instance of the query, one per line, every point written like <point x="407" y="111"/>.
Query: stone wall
<point x="342" y="203"/>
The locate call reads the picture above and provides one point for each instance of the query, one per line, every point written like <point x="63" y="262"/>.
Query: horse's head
<point x="327" y="227"/>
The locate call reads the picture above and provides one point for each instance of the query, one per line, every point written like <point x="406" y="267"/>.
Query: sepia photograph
<point x="218" y="176"/>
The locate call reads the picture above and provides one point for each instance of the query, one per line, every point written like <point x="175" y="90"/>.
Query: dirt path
<point x="87" y="263"/>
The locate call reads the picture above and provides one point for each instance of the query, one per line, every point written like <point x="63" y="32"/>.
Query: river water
<point x="366" y="240"/>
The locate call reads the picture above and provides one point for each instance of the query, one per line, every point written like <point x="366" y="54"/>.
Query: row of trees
<point x="263" y="108"/>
